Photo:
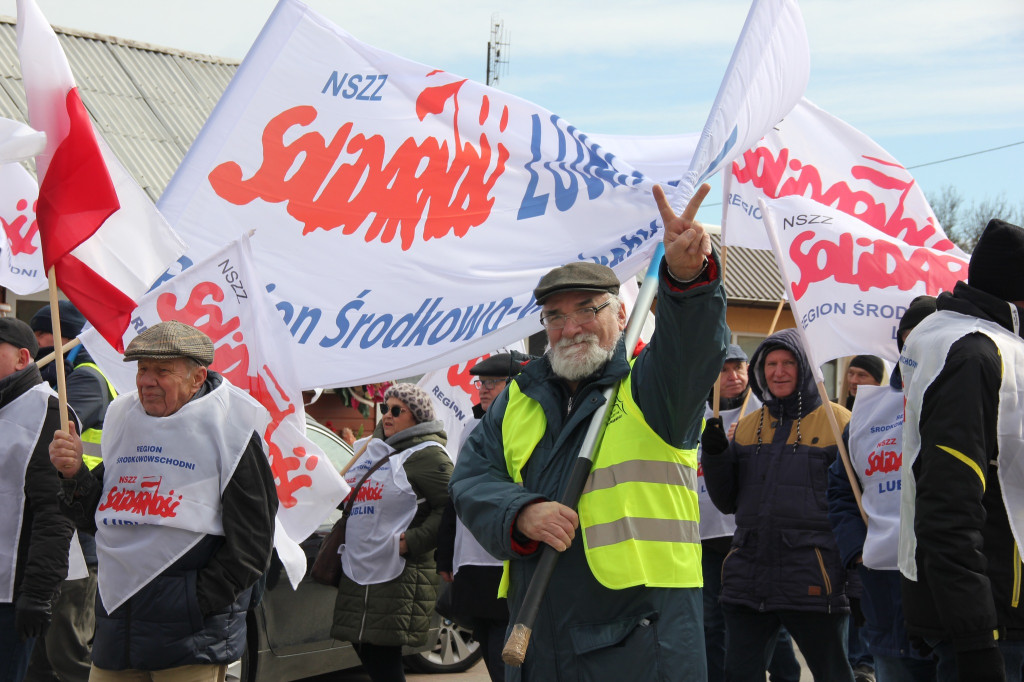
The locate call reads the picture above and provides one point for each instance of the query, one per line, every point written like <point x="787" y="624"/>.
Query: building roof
<point x="150" y="103"/>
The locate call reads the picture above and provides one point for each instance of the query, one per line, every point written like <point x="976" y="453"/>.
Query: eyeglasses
<point x="580" y="317"/>
<point x="395" y="410"/>
<point x="489" y="383"/>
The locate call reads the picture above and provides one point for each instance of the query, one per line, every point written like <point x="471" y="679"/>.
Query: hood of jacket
<point x="968" y="300"/>
<point x="805" y="398"/>
<point x="414" y="435"/>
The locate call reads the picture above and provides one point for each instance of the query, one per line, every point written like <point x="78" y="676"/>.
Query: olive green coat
<point x="397" y="613"/>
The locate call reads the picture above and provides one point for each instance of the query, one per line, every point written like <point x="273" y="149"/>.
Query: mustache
<point x="582" y="337"/>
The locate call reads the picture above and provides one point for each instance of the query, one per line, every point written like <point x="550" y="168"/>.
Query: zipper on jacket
<point x="1015" y="595"/>
<point x="366" y="606"/>
<point x="824" y="575"/>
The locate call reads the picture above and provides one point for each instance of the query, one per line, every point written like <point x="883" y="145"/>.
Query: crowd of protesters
<point x="880" y="535"/>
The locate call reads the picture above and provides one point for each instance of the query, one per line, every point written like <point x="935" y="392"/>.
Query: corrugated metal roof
<point x="150" y="102"/>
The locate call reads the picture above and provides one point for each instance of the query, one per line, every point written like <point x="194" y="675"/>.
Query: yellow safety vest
<point x="639" y="511"/>
<point x="91" y="437"/>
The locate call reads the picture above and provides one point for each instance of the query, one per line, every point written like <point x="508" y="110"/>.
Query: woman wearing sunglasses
<point x="389" y="582"/>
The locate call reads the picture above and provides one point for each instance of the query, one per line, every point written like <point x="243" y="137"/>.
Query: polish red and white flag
<point x="99" y="230"/>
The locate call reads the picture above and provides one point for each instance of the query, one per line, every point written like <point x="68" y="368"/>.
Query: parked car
<point x="289" y="634"/>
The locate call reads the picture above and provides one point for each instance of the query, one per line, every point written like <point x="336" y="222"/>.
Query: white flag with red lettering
<point x="814" y="154"/>
<point x="411" y="211"/>
<point x="224" y="298"/>
<point x="105" y="239"/>
<point x="848" y="282"/>
<point x="21" y="258"/>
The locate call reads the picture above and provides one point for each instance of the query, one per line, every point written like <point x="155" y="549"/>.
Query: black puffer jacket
<point x="969" y="566"/>
<point x="783" y="556"/>
<point x="45" y="533"/>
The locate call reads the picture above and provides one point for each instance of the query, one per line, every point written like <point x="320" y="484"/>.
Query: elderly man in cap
<point x="624" y="600"/>
<point x="864" y="370"/>
<point x="962" y="496"/>
<point x="183" y="509"/>
<point x="34" y="535"/>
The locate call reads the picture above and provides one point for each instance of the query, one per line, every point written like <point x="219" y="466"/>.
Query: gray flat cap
<point x="578" y="276"/>
<point x="171" y="340"/>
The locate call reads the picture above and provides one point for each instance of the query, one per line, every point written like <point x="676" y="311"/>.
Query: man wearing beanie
<point x="63" y="654"/>
<point x="864" y="370"/>
<point x="34" y="535"/>
<point x="963" y="449"/>
<point x="875" y="442"/>
<point x="624" y="599"/>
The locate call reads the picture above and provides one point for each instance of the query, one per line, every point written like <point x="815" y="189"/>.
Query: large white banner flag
<point x="850" y="283"/>
<point x="814" y="154"/>
<point x="406" y="213"/>
<point x="224" y="298"/>
<point x="766" y="77"/>
<point x="21" y="257"/>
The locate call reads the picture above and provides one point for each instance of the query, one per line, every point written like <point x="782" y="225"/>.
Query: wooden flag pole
<point x="58" y="350"/>
<point x="854" y="482"/>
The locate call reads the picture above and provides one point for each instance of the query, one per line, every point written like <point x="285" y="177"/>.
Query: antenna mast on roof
<point x="497" y="51"/>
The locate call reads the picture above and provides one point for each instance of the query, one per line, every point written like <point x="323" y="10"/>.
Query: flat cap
<point x="578" y="276"/>
<point x="171" y="339"/>
<point x="18" y="334"/>
<point x="498" y="365"/>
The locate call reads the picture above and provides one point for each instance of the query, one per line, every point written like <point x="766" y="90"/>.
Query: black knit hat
<point x="920" y="308"/>
<point x="870" y="364"/>
<point x="71" y="321"/>
<point x="997" y="264"/>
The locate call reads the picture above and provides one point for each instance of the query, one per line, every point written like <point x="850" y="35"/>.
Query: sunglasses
<point x="395" y="410"/>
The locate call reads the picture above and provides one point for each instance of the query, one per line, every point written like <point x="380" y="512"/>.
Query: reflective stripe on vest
<point x="639" y="515"/>
<point x="91" y="438"/>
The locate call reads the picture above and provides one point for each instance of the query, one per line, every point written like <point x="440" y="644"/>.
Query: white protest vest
<point x="162" y="483"/>
<point x="383" y="510"/>
<point x="469" y="552"/>
<point x="713" y="523"/>
<point x="923" y="358"/>
<point x="21" y="422"/>
<point x="876" y="452"/>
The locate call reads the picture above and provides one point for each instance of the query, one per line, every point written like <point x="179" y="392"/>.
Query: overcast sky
<point x="927" y="79"/>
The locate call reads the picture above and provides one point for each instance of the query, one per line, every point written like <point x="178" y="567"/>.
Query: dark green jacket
<point x="398" y="612"/>
<point x="584" y="630"/>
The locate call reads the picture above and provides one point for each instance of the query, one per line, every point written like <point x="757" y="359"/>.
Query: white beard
<point x="574" y="364"/>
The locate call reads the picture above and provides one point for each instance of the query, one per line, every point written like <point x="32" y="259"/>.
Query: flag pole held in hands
<point x="514" y="652"/>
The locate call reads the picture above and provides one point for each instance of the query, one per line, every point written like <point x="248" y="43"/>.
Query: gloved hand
<point x="713" y="441"/>
<point x="980" y="665"/>
<point x="31" y="616"/>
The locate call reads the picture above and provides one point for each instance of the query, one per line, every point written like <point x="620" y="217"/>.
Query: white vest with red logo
<point x="21" y="422"/>
<point x="383" y="510"/>
<point x="162" y="483"/>
<point x="876" y="452"/>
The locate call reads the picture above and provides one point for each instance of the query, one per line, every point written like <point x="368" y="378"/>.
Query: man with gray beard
<point x="625" y="599"/>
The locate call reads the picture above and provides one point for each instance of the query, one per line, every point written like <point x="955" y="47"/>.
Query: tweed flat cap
<point x="578" y="276"/>
<point x="171" y="340"/>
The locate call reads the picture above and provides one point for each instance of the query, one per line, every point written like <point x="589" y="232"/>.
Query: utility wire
<point x="932" y="163"/>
